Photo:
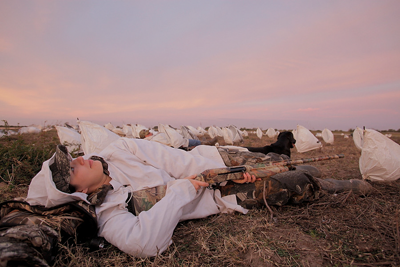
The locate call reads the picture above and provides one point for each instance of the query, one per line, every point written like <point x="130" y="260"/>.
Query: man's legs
<point x="296" y="186"/>
<point x="289" y="187"/>
<point x="193" y="142"/>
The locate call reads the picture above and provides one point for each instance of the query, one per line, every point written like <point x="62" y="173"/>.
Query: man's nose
<point x="81" y="160"/>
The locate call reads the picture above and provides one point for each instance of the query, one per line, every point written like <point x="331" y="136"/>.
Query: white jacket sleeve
<point x="150" y="232"/>
<point x="176" y="162"/>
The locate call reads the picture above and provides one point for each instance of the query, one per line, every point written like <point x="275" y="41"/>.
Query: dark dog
<point x="285" y="142"/>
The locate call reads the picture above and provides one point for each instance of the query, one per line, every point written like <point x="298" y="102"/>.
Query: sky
<point x="267" y="64"/>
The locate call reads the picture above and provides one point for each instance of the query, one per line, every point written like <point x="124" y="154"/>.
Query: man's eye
<point x="72" y="169"/>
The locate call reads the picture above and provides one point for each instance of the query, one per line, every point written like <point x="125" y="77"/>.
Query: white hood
<point x="43" y="191"/>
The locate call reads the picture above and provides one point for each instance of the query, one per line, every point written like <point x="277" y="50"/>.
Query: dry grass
<point x="337" y="230"/>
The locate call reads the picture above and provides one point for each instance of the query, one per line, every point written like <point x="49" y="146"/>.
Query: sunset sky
<point x="320" y="64"/>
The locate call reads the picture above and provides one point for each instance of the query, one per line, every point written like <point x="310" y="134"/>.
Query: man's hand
<point x="197" y="184"/>
<point x="247" y="178"/>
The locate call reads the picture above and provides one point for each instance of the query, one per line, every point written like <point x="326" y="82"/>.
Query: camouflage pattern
<point x="98" y="196"/>
<point x="220" y="175"/>
<point x="60" y="169"/>
<point x="16" y="253"/>
<point x="281" y="186"/>
<point x="143" y="200"/>
<point x="279" y="189"/>
<point x="358" y="187"/>
<point x="143" y="133"/>
<point x="31" y="244"/>
<point x="291" y="187"/>
<point x="260" y="170"/>
<point x="103" y="162"/>
<point x="29" y="234"/>
<point x="65" y="218"/>
<point x="307" y="160"/>
<point x="232" y="157"/>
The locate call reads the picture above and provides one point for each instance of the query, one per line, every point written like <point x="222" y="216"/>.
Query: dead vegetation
<point x="337" y="230"/>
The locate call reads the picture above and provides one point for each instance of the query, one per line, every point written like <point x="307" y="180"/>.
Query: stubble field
<point x="336" y="230"/>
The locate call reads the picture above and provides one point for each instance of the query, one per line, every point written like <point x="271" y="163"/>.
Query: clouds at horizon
<point x="328" y="64"/>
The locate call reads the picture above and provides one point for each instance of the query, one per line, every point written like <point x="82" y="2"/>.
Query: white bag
<point x="358" y="136"/>
<point x="212" y="132"/>
<point x="127" y="129"/>
<point x="305" y="140"/>
<point x="327" y="135"/>
<point x="70" y="138"/>
<point x="380" y="157"/>
<point x="237" y="135"/>
<point x="95" y="138"/>
<point x="161" y="138"/>
<point x="187" y="133"/>
<point x="271" y="133"/>
<point x="219" y="130"/>
<point x="29" y="129"/>
<point x="175" y="139"/>
<point x="201" y="130"/>
<point x="194" y="131"/>
<point x="109" y="126"/>
<point x="228" y="136"/>
<point x="118" y="131"/>
<point x="259" y="133"/>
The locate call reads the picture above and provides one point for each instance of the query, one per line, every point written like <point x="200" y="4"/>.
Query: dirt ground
<point x="336" y="230"/>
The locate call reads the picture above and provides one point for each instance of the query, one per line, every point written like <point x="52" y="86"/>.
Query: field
<point x="337" y="230"/>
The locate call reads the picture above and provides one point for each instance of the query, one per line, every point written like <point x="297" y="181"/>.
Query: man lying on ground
<point x="186" y="143"/>
<point x="111" y="179"/>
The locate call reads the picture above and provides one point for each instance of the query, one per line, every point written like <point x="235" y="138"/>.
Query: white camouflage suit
<point x="136" y="164"/>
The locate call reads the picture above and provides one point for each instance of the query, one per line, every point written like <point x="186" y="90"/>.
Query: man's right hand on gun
<point x="247" y="178"/>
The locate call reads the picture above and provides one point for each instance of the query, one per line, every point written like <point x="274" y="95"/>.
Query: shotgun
<point x="144" y="199"/>
<point x="260" y="170"/>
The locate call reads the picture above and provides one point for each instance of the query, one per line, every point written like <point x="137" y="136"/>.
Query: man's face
<point x="85" y="173"/>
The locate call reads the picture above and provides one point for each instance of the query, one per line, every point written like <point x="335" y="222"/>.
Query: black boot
<point x="359" y="187"/>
